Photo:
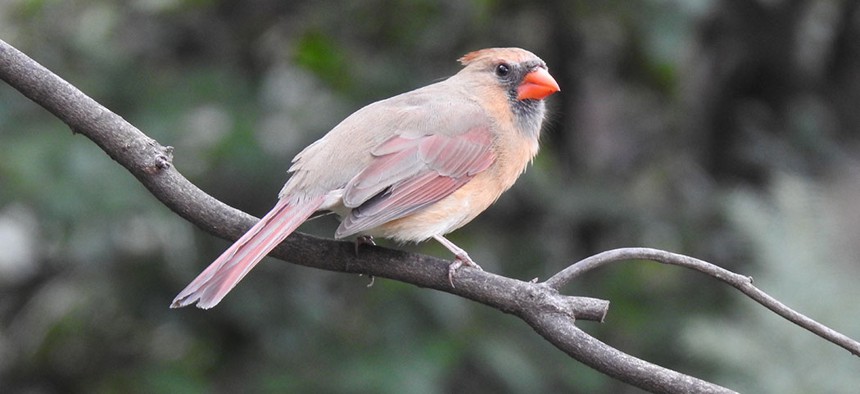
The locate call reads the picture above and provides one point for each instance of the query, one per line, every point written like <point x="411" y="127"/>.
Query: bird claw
<point x="363" y="240"/>
<point x="461" y="260"/>
<point x="372" y="280"/>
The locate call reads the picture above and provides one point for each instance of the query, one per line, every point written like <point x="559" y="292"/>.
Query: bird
<point x="408" y="168"/>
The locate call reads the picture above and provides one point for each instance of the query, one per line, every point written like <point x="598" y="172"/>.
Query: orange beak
<point x="537" y="85"/>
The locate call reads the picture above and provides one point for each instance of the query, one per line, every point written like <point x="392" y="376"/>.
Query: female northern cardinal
<point x="412" y="167"/>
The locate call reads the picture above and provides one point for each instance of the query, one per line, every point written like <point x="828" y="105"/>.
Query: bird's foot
<point x="462" y="259"/>
<point x="363" y="240"/>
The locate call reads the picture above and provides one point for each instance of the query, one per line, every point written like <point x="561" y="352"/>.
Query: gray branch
<point x="549" y="313"/>
<point x="740" y="282"/>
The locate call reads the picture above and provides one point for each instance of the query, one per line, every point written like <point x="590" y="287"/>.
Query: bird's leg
<point x="363" y="240"/>
<point x="461" y="260"/>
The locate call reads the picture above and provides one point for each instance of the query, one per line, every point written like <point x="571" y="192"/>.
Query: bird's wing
<point x="412" y="170"/>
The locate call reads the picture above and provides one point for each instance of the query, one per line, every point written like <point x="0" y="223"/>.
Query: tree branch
<point x="549" y="313"/>
<point x="613" y="362"/>
<point x="740" y="282"/>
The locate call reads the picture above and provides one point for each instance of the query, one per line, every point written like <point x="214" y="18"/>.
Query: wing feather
<point x="411" y="172"/>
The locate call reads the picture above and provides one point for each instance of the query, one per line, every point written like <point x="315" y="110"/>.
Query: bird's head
<point x="522" y="74"/>
<point x="518" y="75"/>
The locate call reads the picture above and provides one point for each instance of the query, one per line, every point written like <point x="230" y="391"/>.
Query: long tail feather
<point x="227" y="270"/>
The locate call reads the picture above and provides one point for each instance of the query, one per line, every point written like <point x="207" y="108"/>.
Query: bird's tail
<point x="227" y="270"/>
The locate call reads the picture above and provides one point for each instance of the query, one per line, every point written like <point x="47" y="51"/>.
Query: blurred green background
<point x="722" y="129"/>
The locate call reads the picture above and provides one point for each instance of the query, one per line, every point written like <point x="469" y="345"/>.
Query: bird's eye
<point x="503" y="69"/>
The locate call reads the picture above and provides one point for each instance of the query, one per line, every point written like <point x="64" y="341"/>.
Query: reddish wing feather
<point x="411" y="173"/>
<point x="407" y="198"/>
<point x="379" y="174"/>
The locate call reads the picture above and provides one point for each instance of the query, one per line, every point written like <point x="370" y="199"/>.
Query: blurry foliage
<point x="723" y="130"/>
<point x="319" y="54"/>
<point x="807" y="261"/>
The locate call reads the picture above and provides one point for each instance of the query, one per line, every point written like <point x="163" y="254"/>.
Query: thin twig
<point x="740" y="282"/>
